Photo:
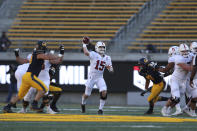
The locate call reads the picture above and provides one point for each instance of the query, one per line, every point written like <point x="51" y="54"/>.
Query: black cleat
<point x="100" y="112"/>
<point x="34" y="106"/>
<point x="83" y="108"/>
<point x="149" y="112"/>
<point x="7" y="109"/>
<point x="54" y="108"/>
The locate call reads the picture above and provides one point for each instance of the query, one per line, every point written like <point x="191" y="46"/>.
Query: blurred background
<point x="131" y="29"/>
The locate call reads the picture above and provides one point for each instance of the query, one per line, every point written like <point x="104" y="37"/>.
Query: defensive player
<point x="149" y="70"/>
<point x="98" y="62"/>
<point x="30" y="78"/>
<point x="44" y="76"/>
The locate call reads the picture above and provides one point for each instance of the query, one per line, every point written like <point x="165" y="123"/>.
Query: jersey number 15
<point x="100" y="65"/>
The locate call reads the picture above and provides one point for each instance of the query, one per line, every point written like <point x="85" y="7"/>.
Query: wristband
<point x="59" y="55"/>
<point x="84" y="46"/>
<point x="16" y="53"/>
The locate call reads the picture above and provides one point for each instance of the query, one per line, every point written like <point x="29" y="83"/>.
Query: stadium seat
<point x="177" y="23"/>
<point x="67" y="21"/>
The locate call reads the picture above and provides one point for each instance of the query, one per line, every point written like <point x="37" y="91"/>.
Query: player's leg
<point x="27" y="99"/>
<point x="56" y="92"/>
<point x="175" y="97"/>
<point x="88" y="90"/>
<point x="103" y="94"/>
<point x="154" y="96"/>
<point x="22" y="92"/>
<point x="41" y="90"/>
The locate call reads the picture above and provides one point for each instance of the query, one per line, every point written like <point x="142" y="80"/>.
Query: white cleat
<point x="178" y="112"/>
<point x="190" y="112"/>
<point x="23" y="110"/>
<point x="164" y="111"/>
<point x="50" y="111"/>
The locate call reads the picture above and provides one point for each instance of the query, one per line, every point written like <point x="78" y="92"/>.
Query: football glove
<point x="61" y="48"/>
<point x="16" y="52"/>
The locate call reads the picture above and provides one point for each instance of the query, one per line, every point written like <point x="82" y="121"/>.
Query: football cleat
<point x="149" y="111"/>
<point x="83" y="108"/>
<point x="50" y="111"/>
<point x="178" y="112"/>
<point x="100" y="112"/>
<point x="190" y="112"/>
<point x="164" y="111"/>
<point x="23" y="110"/>
<point x="54" y="108"/>
<point x="7" y="109"/>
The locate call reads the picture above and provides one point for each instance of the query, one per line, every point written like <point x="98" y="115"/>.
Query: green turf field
<point x="115" y="118"/>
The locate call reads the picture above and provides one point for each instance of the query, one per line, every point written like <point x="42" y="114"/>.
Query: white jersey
<point x="98" y="64"/>
<point x="178" y="71"/>
<point x="171" y="59"/>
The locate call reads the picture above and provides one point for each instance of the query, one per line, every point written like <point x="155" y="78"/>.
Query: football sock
<point x="83" y="102"/>
<point x="102" y="103"/>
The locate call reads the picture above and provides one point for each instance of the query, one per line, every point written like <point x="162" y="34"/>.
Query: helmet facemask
<point x="184" y="50"/>
<point x="100" y="47"/>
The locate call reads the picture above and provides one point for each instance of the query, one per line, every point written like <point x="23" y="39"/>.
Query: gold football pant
<point x="28" y="81"/>
<point x="155" y="91"/>
<point x="54" y="88"/>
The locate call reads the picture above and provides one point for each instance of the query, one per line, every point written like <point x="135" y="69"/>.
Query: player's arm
<point x="19" y="59"/>
<point x="194" y="69"/>
<point x="168" y="67"/>
<point x="185" y="66"/>
<point x="47" y="57"/>
<point x="85" y="41"/>
<point x="147" y="84"/>
<point x="60" y="58"/>
<point x="110" y="69"/>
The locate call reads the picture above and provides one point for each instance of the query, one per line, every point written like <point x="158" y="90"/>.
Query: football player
<point x="193" y="84"/>
<point x="149" y="70"/>
<point x="44" y="76"/>
<point x="98" y="62"/>
<point x="30" y="78"/>
<point x="169" y="68"/>
<point x="178" y="78"/>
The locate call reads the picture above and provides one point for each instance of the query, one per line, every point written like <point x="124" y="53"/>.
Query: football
<point x="86" y="40"/>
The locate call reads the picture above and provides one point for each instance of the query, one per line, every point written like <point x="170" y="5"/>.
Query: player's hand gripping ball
<point x="86" y="40"/>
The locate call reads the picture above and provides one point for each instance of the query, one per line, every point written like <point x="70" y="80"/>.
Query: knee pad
<point x="103" y="97"/>
<point x="88" y="91"/>
<point x="175" y="100"/>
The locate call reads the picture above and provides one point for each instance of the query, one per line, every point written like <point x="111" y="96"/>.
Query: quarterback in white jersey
<point x="98" y="62"/>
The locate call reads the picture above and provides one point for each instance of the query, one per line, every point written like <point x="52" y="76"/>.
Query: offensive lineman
<point x="178" y="78"/>
<point x="98" y="62"/>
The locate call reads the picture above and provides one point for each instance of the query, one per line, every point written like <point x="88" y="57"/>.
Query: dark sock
<point x="25" y="104"/>
<point x="55" y="98"/>
<point x="34" y="102"/>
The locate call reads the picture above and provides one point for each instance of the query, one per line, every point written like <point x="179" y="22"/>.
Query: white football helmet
<point x="193" y="47"/>
<point x="173" y="50"/>
<point x="184" y="50"/>
<point x="100" y="47"/>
